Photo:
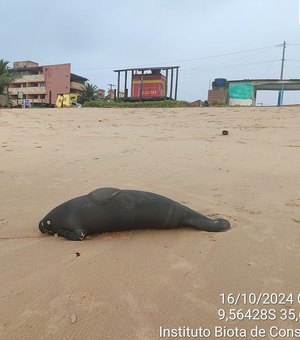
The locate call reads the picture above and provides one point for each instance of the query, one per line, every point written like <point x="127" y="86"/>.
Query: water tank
<point x="220" y="82"/>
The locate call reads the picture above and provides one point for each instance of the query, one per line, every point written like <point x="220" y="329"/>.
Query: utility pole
<point x="280" y="93"/>
<point x="111" y="93"/>
<point x="111" y="86"/>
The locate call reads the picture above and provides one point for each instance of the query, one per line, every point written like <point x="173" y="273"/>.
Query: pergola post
<point x="141" y="85"/>
<point x="125" y="87"/>
<point x="166" y="90"/>
<point x="118" y="85"/>
<point x="171" y="87"/>
<point x="131" y="90"/>
<point x="176" y="84"/>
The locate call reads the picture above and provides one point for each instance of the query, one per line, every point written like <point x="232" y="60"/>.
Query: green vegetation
<point x="111" y="103"/>
<point x="5" y="76"/>
<point x="215" y="103"/>
<point x="90" y="98"/>
<point x="90" y="93"/>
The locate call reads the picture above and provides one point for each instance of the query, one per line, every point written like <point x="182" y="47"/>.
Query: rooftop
<point x="147" y="68"/>
<point x="27" y="65"/>
<point x="272" y="84"/>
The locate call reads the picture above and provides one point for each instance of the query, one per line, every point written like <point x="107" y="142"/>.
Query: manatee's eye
<point x="48" y="222"/>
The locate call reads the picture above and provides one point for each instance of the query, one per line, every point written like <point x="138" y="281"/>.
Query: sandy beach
<point x="127" y="285"/>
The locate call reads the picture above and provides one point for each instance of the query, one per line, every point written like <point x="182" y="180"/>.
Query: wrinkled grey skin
<point x="111" y="209"/>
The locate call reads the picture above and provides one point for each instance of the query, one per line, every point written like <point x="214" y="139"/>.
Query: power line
<point x="271" y="64"/>
<point x="225" y="54"/>
<point x="190" y="71"/>
<point x="184" y="60"/>
<point x="230" y="61"/>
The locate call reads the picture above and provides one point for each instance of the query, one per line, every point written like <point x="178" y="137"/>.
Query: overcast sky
<point x="97" y="36"/>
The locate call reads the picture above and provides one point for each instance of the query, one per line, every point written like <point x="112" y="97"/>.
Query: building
<point x="111" y="94"/>
<point x="244" y="92"/>
<point x="42" y="84"/>
<point x="101" y="93"/>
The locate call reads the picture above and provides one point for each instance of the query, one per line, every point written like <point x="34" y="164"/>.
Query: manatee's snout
<point x="45" y="227"/>
<point x="42" y="228"/>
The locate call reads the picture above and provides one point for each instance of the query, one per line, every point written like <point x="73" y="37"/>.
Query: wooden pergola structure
<point x="169" y="77"/>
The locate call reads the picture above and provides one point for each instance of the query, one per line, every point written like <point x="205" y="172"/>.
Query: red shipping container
<point x="153" y="85"/>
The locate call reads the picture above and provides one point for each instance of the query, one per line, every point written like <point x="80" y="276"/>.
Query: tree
<point x="5" y="76"/>
<point x="90" y="92"/>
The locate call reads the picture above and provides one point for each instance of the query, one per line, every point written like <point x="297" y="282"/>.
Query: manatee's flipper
<point x="103" y="195"/>
<point x="76" y="235"/>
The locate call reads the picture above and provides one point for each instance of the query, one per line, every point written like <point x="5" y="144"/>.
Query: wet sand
<point x="126" y="285"/>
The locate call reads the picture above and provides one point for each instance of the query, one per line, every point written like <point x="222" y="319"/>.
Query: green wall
<point x="241" y="90"/>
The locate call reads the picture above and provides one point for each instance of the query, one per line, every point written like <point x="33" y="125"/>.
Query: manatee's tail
<point x="201" y="222"/>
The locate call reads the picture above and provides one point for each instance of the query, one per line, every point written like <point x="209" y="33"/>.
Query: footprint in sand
<point x="3" y="326"/>
<point x="251" y="211"/>
<point x="3" y="222"/>
<point x="179" y="263"/>
<point x="293" y="203"/>
<point x="128" y="150"/>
